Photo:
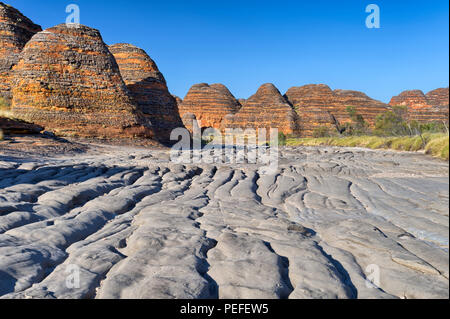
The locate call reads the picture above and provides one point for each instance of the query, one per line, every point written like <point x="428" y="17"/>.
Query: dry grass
<point x="1" y="135"/>
<point x="5" y="105"/>
<point x="436" y="144"/>
<point x="5" y="108"/>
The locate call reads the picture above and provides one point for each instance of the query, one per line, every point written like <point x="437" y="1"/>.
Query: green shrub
<point x="357" y="126"/>
<point x="432" y="127"/>
<point x="282" y="139"/>
<point x="392" y="122"/>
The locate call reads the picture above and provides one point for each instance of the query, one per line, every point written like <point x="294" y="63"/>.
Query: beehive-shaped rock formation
<point x="265" y="109"/>
<point x="319" y="106"/>
<point x="15" y="31"/>
<point x="432" y="107"/>
<point x="68" y="81"/>
<point x="209" y="103"/>
<point x="148" y="88"/>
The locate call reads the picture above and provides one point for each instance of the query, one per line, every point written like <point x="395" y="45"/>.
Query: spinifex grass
<point x="435" y="144"/>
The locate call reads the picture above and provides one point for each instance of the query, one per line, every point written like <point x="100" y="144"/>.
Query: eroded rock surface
<point x="69" y="82"/>
<point x="15" y="31"/>
<point x="135" y="225"/>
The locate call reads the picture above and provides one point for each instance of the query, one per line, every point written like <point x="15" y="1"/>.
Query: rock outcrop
<point x="209" y="103"/>
<point x="9" y="126"/>
<point x="148" y="88"/>
<point x="189" y="121"/>
<point x="319" y="106"/>
<point x="265" y="109"/>
<point x="68" y="81"/>
<point x="15" y="31"/>
<point x="178" y="100"/>
<point x="430" y="107"/>
<point x="242" y="101"/>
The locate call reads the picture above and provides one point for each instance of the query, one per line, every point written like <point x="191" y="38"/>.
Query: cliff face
<point x="209" y="104"/>
<point x="266" y="109"/>
<point x="15" y="31"/>
<point x="148" y="88"/>
<point x="319" y="106"/>
<point x="430" y="107"/>
<point x="68" y="81"/>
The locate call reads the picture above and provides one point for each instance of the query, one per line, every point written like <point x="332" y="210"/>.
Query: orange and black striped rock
<point x="319" y="106"/>
<point x="69" y="82"/>
<point x="424" y="108"/>
<point x="189" y="121"/>
<point x="265" y="109"/>
<point x="209" y="103"/>
<point x="242" y="101"/>
<point x="177" y="99"/>
<point x="148" y="88"/>
<point x="15" y="31"/>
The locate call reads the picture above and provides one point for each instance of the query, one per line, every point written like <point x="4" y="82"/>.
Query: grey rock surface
<point x="131" y="224"/>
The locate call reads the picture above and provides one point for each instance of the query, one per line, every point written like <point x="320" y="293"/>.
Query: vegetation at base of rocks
<point x="1" y="135"/>
<point x="357" y="126"/>
<point x="321" y="131"/>
<point x="282" y="138"/>
<point x="392" y="130"/>
<point x="5" y="108"/>
<point x="393" y="122"/>
<point x="438" y="147"/>
<point x="435" y="144"/>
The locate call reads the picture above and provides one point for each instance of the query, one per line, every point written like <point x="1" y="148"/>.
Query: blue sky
<point x="244" y="44"/>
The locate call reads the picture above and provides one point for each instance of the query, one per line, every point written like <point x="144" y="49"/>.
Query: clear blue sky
<point x="244" y="44"/>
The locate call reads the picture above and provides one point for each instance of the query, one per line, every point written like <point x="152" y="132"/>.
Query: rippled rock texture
<point x="134" y="225"/>
<point x="265" y="109"/>
<point x="430" y="107"/>
<point x="319" y="106"/>
<point x="148" y="89"/>
<point x="15" y="31"/>
<point x="69" y="82"/>
<point x="209" y="104"/>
